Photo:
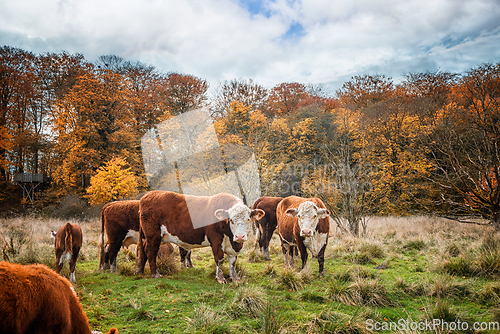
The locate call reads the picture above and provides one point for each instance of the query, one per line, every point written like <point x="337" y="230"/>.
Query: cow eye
<point x="231" y="221"/>
<point x="298" y="216"/>
<point x="314" y="217"/>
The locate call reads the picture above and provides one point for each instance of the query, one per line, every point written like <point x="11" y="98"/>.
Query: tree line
<point x="428" y="144"/>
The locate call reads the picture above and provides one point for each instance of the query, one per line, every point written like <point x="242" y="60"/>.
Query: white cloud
<point x="220" y="40"/>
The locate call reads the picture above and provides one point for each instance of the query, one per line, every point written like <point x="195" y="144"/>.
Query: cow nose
<point x="306" y="232"/>
<point x="240" y="238"/>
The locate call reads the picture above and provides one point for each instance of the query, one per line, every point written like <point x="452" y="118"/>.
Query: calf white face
<point x="239" y="218"/>
<point x="308" y="216"/>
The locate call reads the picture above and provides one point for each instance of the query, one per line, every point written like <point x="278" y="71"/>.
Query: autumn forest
<point x="429" y="144"/>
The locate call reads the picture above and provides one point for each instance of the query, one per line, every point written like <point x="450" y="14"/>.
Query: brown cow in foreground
<point x="35" y="299"/>
<point x="67" y="244"/>
<point x="220" y="221"/>
<point x="120" y="227"/>
<point x="268" y="223"/>
<point x="303" y="223"/>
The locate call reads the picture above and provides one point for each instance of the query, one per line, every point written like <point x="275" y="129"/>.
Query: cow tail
<point x="68" y="239"/>
<point x="101" y="239"/>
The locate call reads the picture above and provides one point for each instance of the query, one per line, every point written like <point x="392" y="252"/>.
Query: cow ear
<point x="323" y="213"/>
<point x="292" y="212"/>
<point x="221" y="214"/>
<point x="257" y="214"/>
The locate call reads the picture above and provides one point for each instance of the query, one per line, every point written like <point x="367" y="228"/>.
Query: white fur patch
<point x="167" y="237"/>
<point x="65" y="256"/>
<point x="227" y="248"/>
<point x="316" y="242"/>
<point x="72" y="277"/>
<point x="131" y="238"/>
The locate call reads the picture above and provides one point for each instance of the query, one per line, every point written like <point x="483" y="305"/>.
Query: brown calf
<point x="267" y="224"/>
<point x="35" y="299"/>
<point x="220" y="221"/>
<point x="303" y="223"/>
<point x="67" y="244"/>
<point x="120" y="227"/>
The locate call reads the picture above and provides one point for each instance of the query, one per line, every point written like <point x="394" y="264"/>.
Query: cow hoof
<point x="157" y="275"/>
<point x="235" y="279"/>
<point x="221" y="280"/>
<point x="322" y="274"/>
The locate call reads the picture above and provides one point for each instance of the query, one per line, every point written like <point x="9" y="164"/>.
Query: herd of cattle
<point x="38" y="300"/>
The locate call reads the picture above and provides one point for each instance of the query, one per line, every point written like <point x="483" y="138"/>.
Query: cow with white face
<point x="221" y="221"/>
<point x="303" y="223"/>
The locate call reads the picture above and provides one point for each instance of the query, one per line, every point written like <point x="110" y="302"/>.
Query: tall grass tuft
<point x="167" y="265"/>
<point x="289" y="279"/>
<point x="248" y="300"/>
<point x="208" y="320"/>
<point x="488" y="255"/>
<point x="271" y="321"/>
<point x="337" y="322"/>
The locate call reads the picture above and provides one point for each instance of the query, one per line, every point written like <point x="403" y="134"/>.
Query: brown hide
<point x="267" y="224"/>
<point x="35" y="299"/>
<point x="68" y="241"/>
<point x="117" y="219"/>
<point x="289" y="230"/>
<point x="169" y="209"/>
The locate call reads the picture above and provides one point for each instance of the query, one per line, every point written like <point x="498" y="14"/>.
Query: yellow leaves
<point x="111" y="182"/>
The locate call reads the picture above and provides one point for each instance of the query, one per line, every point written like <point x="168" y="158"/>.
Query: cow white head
<point x="308" y="216"/>
<point x="239" y="217"/>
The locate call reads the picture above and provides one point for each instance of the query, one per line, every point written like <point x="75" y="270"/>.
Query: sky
<point x="318" y="42"/>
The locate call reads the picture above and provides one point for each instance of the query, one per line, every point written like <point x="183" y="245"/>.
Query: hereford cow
<point x="35" y="299"/>
<point x="67" y="244"/>
<point x="266" y="225"/>
<point x="220" y="221"/>
<point x="303" y="223"/>
<point x="120" y="227"/>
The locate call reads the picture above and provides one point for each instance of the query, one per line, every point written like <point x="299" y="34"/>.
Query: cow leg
<point x="264" y="245"/>
<point x="293" y="252"/>
<point x="232" y="269"/>
<point x="114" y="248"/>
<point x="219" y="260"/>
<point x="285" y="247"/>
<point x="152" y="246"/>
<point x="189" y="264"/>
<point x="105" y="258"/>
<point x="303" y="254"/>
<point x="321" y="261"/>
<point x="59" y="260"/>
<point x="140" y="260"/>
<point x="257" y="236"/>
<point x="185" y="258"/>
<point x="72" y="265"/>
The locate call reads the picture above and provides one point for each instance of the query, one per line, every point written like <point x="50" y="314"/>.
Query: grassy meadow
<point x="415" y="269"/>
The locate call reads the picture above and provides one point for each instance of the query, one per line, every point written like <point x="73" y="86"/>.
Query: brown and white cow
<point x="267" y="224"/>
<point x="303" y="223"/>
<point x="35" y="299"/>
<point x="120" y="227"/>
<point x="220" y="221"/>
<point x="67" y="244"/>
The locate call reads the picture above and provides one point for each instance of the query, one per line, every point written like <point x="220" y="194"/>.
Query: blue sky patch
<point x="255" y="7"/>
<point x="295" y="32"/>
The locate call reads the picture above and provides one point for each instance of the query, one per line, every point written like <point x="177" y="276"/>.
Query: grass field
<point x="434" y="269"/>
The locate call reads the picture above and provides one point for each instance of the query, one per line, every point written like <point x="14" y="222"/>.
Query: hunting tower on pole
<point x="29" y="182"/>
